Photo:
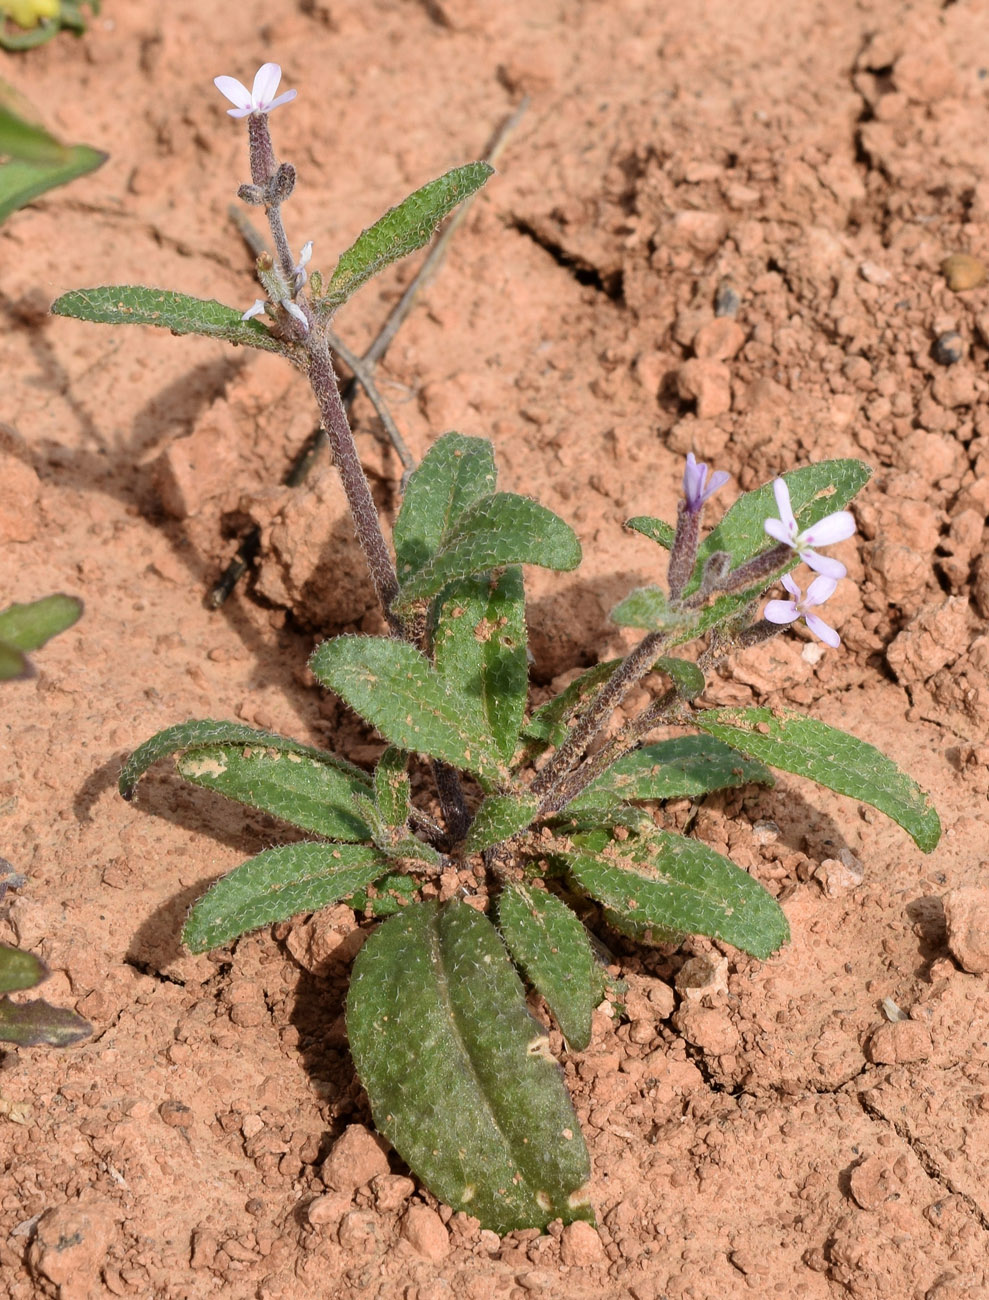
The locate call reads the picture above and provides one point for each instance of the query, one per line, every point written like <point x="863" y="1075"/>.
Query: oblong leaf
<point x="21" y="181"/>
<point x="392" y="787"/>
<point x="20" y="970"/>
<point x="843" y="763"/>
<point x="453" y="474"/>
<point x="133" y="304"/>
<point x="815" y="491"/>
<point x="681" y="767"/>
<point x="201" y="732"/>
<point x="687" y="677"/>
<point x="404" y="228"/>
<point x="277" y="884"/>
<point x="655" y="529"/>
<point x="300" y="789"/>
<point x="666" y="880"/>
<point x="31" y="1023"/>
<point x="28" y="627"/>
<point x="551" y="946"/>
<point x="459" y="1074"/>
<point x="500" y="817"/>
<point x="479" y="648"/>
<point x="398" y="690"/>
<point x="646" y="607"/>
<point x="500" y="529"/>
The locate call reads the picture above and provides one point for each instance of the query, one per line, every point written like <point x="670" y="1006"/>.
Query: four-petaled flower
<point x="260" y="99"/>
<point x="788" y="611"/>
<point x="694" y="491"/>
<point x="832" y="528"/>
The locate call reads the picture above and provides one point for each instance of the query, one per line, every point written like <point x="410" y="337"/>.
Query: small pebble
<point x="726" y="300"/>
<point x="961" y="271"/>
<point x="948" y="348"/>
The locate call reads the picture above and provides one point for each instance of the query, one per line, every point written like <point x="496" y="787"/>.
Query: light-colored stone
<point x="580" y="1245"/>
<point x="357" y="1156"/>
<point x="423" y="1229"/>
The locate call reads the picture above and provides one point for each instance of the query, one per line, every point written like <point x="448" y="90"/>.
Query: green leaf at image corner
<point x="840" y="762"/>
<point x="460" y="1077"/>
<point x="133" y="304"/>
<point x="552" y="948"/>
<point x="454" y="473"/>
<point x="277" y="884"/>
<point x="496" y="530"/>
<point x="20" y="970"/>
<point x="34" y="160"/>
<point x="404" y="228"/>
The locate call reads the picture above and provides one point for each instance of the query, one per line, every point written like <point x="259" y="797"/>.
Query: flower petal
<point x="780" y="611"/>
<point x="820" y="629"/>
<point x="282" y="99"/>
<point x="266" y="81"/>
<point x="234" y="90"/>
<point x="820" y="590"/>
<point x="778" y="529"/>
<point x="256" y="310"/>
<point x="782" y="494"/>
<point x="823" y="564"/>
<point x="791" y="586"/>
<point x="830" y="529"/>
<point x="718" y="479"/>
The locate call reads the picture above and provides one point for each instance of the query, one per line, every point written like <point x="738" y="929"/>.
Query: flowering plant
<point x="533" y="816"/>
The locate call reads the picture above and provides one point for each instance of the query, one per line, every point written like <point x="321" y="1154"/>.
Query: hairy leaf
<point x="681" y="767"/>
<point x="398" y="690"/>
<point x="548" y="723"/>
<point x="31" y="1023"/>
<point x="552" y="948"/>
<point x="298" y="788"/>
<point x="687" y="677"/>
<point x="655" y="529"/>
<point x="388" y="895"/>
<point x="496" y="530"/>
<point x="28" y="627"/>
<point x="276" y="885"/>
<point x="133" y="304"/>
<point x="395" y="842"/>
<point x="35" y="161"/>
<point x="392" y="788"/>
<point x="459" y="1074"/>
<point x="500" y="817"/>
<point x="479" y="649"/>
<point x="666" y="880"/>
<point x="403" y="229"/>
<point x="647" y="607"/>
<point x="794" y="743"/>
<point x="20" y="970"/>
<point x="453" y="474"/>
<point x="203" y="732"/>
<point x="815" y="491"/>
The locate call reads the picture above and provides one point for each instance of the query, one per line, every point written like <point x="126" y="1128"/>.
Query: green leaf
<point x="655" y="529"/>
<point x="552" y="948"/>
<point x="453" y="474"/>
<point x="36" y="161"/>
<point x="687" y="677"/>
<point x="388" y="895"/>
<point x="500" y="817"/>
<point x="815" y="491"/>
<point x="479" y="649"/>
<point x="666" y="880"/>
<point x="132" y="304"/>
<point x="28" y="627"/>
<point x="31" y="1023"/>
<point x="794" y="743"/>
<point x="398" y="690"/>
<point x="395" y="842"/>
<point x="391" y="787"/>
<point x="20" y="970"/>
<point x="277" y="884"/>
<point x="497" y="530"/>
<point x="300" y="789"/>
<point x="13" y="663"/>
<point x="459" y="1074"/>
<point x="403" y="229"/>
<point x="201" y="733"/>
<point x="549" y="722"/>
<point x="682" y="767"/>
<point x="647" y="607"/>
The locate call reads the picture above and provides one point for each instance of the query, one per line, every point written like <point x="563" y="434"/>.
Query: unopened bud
<point x="282" y="184"/>
<point x="251" y="194"/>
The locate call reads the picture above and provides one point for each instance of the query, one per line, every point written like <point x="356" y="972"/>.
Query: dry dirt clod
<point x="581" y="1246"/>
<point x="961" y="272"/>
<point x="966" y="914"/>
<point x="423" y="1229"/>
<point x="69" y="1247"/>
<point x="358" y="1155"/>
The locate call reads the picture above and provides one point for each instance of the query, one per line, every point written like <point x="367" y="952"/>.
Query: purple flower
<point x="832" y="528"/>
<point x="260" y="99"/>
<point x="788" y="611"/>
<point x="694" y="490"/>
<point x="256" y="310"/>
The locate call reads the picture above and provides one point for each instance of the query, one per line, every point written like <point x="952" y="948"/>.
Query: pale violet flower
<point x="296" y="312"/>
<point x="301" y="274"/>
<point x="256" y="310"/>
<point x="788" y="611"/>
<point x="260" y="99"/>
<point x="832" y="528"/>
<point x="694" y="476"/>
